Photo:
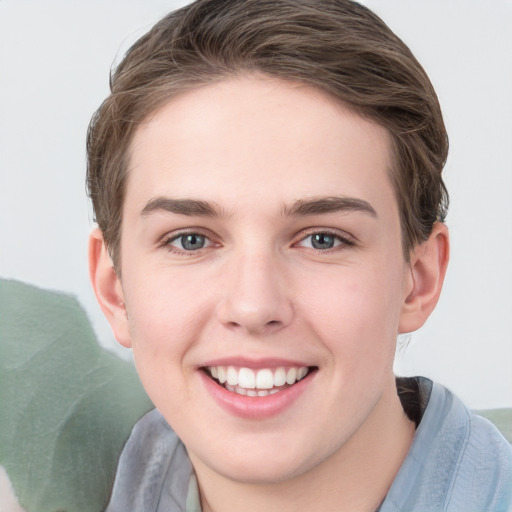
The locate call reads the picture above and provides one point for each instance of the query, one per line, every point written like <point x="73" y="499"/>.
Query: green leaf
<point x="66" y="405"/>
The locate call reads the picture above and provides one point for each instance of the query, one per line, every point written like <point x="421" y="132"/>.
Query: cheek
<point x="356" y="313"/>
<point x="164" y="322"/>
<point x="162" y="305"/>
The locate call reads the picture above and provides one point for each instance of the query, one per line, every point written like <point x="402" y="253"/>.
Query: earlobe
<point x="429" y="261"/>
<point x="107" y="288"/>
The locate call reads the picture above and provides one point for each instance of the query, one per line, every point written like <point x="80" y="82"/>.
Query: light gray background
<point x="54" y="62"/>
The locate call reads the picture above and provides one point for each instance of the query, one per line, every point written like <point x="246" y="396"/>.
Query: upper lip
<point x="254" y="363"/>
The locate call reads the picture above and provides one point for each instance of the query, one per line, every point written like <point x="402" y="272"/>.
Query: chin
<point x="264" y="467"/>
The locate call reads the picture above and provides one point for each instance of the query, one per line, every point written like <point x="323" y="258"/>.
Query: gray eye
<point x="191" y="241"/>
<point x="322" y="241"/>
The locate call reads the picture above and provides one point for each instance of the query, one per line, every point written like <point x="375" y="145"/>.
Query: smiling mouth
<point x="254" y="383"/>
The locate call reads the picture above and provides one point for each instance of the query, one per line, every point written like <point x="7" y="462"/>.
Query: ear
<point x="107" y="288"/>
<point x="428" y="264"/>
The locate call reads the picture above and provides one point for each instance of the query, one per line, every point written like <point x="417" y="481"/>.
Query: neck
<point x="355" y="478"/>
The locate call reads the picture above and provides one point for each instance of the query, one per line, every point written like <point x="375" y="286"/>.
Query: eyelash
<point x="167" y="242"/>
<point x="343" y="241"/>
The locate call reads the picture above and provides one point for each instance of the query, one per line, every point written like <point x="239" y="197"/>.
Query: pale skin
<point x="258" y="172"/>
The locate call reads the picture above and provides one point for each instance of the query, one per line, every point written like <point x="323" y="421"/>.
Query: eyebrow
<point x="332" y="204"/>
<point x="302" y="207"/>
<point x="190" y="207"/>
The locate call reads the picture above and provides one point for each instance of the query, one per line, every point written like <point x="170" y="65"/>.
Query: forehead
<point x="256" y="141"/>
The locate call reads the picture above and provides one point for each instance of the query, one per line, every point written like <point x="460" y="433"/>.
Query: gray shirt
<point x="458" y="461"/>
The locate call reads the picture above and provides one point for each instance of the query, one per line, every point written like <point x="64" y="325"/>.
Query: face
<point x="263" y="274"/>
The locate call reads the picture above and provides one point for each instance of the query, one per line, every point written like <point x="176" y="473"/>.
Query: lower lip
<point x="258" y="407"/>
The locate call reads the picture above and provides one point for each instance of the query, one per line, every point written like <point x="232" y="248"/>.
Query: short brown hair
<point x="337" y="46"/>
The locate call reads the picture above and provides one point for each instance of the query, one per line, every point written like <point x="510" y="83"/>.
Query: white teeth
<point x="291" y="376"/>
<point x="264" y="381"/>
<point x="301" y="373"/>
<point x="280" y="377"/>
<point x="232" y="376"/>
<point x="221" y="374"/>
<point x="246" y="378"/>
<point x="240" y="391"/>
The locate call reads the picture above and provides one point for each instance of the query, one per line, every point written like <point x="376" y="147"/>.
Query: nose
<point x="255" y="297"/>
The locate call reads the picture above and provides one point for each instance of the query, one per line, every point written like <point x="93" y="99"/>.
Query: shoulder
<point x="153" y="458"/>
<point x="458" y="462"/>
<point x="484" y="471"/>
